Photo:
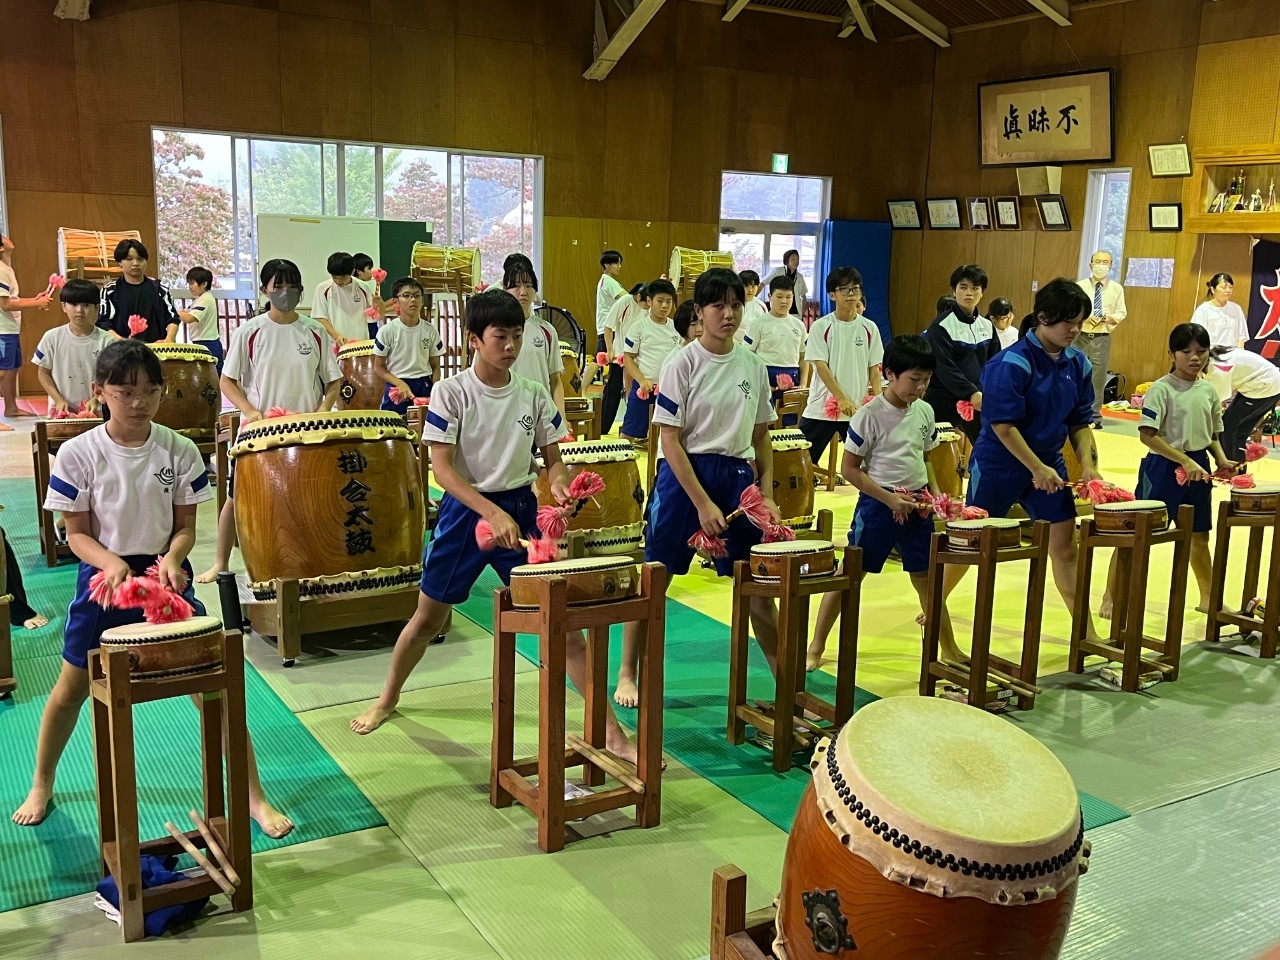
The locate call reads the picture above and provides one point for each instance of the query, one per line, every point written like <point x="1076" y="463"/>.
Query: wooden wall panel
<point x="701" y="142"/>
<point x="644" y="244"/>
<point x="40" y="154"/>
<point x="568" y="111"/>
<point x="1149" y="120"/>
<point x="414" y="109"/>
<point x="1056" y="255"/>
<point x="698" y="236"/>
<point x="572" y="188"/>
<point x="1095" y="34"/>
<point x="116" y="158"/>
<point x="357" y="11"/>
<point x="1009" y="259"/>
<point x="904" y="281"/>
<point x="436" y="15"/>
<point x="1237" y="20"/>
<point x="333" y="100"/>
<point x="124" y="70"/>
<point x="1139" y="346"/>
<point x="1159" y="25"/>
<point x="1020" y="49"/>
<point x="38" y="56"/>
<point x="1237" y="87"/>
<point x="216" y="94"/>
<point x="493" y="112"/>
<point x="638" y="139"/>
<point x="571" y="248"/>
<point x="942" y="252"/>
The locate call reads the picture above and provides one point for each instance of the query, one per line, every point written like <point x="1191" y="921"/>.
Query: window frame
<point x="771" y="228"/>
<point x="1093" y="224"/>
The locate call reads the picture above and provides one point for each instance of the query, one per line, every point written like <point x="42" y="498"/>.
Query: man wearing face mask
<point x="1107" y="298"/>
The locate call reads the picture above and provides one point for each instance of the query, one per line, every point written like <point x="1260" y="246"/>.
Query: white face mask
<point x="1100" y="270"/>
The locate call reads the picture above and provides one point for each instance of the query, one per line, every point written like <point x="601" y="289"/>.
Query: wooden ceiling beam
<point x="608" y="50"/>
<point x="860" y="17"/>
<point x="732" y="8"/>
<point x="1059" y="11"/>
<point x="918" y="20"/>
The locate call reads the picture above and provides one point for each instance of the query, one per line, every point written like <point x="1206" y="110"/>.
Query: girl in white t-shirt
<point x="1255" y="383"/>
<point x="202" y="318"/>
<point x="1220" y="315"/>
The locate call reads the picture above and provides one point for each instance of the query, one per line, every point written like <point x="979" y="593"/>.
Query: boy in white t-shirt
<point x="624" y="312"/>
<point x="276" y="359"/>
<point x="340" y="304"/>
<point x="779" y="338"/>
<point x="11" y="306"/>
<point x="843" y="351"/>
<point x="608" y="290"/>
<point x="480" y="426"/>
<point x="67" y="356"/>
<point x="539" y="359"/>
<point x="202" y="318"/>
<point x="885" y="452"/>
<point x="648" y="343"/>
<point x="362" y="273"/>
<point x="407" y="350"/>
<point x="753" y="310"/>
<point x="128" y="491"/>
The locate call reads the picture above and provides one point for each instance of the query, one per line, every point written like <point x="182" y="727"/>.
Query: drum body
<point x="792" y="478"/>
<point x="611" y="521"/>
<point x="966" y="535"/>
<point x="1259" y="500"/>
<point x="361" y="388"/>
<point x="168" y="649"/>
<point x="437" y="266"/>
<point x="570" y="372"/>
<point x="688" y="264"/>
<point x="1122" y="518"/>
<point x="192" y="396"/>
<point x="325" y="495"/>
<point x="589" y="580"/>
<point x="945" y="460"/>
<point x="768" y="560"/>
<point x="928" y="832"/>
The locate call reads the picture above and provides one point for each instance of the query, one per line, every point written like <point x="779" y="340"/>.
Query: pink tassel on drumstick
<point x="832" y="408"/>
<point x="1254" y="451"/>
<point x="553" y="522"/>
<point x="711" y="546"/>
<point x="786" y="381"/>
<point x="273" y="412"/>
<point x="153" y="572"/>
<point x="965" y="409"/>
<point x="394" y="395"/>
<point x="602" y="359"/>
<point x="372" y="313"/>
<point x="137" y="325"/>
<point x="539" y="550"/>
<point x="379" y="274"/>
<point x="56" y="282"/>
<point x="421" y="401"/>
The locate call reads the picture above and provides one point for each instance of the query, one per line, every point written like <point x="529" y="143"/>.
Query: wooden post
<point x="551" y="720"/>
<point x="502" y="749"/>
<point x="653" y="631"/>
<point x="738" y="651"/>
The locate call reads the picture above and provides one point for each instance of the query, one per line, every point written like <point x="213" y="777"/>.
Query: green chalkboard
<point x="395" y="247"/>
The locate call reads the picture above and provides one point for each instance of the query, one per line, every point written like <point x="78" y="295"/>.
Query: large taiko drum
<point x="570" y="371"/>
<point x="168" y="649"/>
<point x="612" y="521"/>
<point x="331" y="499"/>
<point x="945" y="459"/>
<point x="792" y="478"/>
<point x="361" y="387"/>
<point x="931" y="831"/>
<point x="587" y="580"/>
<point x="192" y="397"/>
<point x="688" y="264"/>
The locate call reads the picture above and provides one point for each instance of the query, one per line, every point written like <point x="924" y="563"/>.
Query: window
<point x="1106" y="214"/>
<point x="762" y="216"/>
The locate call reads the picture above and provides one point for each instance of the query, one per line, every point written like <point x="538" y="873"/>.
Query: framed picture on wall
<point x="1165" y="217"/>
<point x="1053" y="212"/>
<point x="1169" y="160"/>
<point x="1007" y="215"/>
<point x="979" y="212"/>
<point x="904" y="214"/>
<point x="1067" y="118"/>
<point x="944" y="214"/>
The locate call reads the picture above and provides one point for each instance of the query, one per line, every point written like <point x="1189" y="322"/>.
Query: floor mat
<point x="48" y="589"/>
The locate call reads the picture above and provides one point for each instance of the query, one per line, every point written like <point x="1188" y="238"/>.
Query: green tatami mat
<point x="362" y="895"/>
<point x="630" y="893"/>
<point x="58" y="858"/>
<point x="48" y="589"/>
<point x="1190" y="881"/>
<point x="1213" y="726"/>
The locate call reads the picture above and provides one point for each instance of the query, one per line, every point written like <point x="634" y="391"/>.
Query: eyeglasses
<point x="849" y="291"/>
<point x="410" y="296"/>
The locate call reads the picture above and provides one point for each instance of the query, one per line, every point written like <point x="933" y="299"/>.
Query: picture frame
<point x="1053" y="212"/>
<point x="1169" y="159"/>
<point x="1164" y="217"/>
<point x="1008" y="215"/>
<point x="1062" y="118"/>
<point x="904" y="215"/>
<point x="944" y="213"/>
<point x="979" y="212"/>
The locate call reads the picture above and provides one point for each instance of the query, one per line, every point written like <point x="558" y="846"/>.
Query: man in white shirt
<point x="1107" y="298"/>
<point x="608" y="290"/>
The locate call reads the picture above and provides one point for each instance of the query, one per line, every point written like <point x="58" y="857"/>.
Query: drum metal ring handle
<point x="827" y="925"/>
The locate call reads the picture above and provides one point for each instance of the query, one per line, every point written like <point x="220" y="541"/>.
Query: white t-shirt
<point x="850" y="348"/>
<point x="892" y="442"/>
<point x="10" y="320"/>
<point x="205" y="310"/>
<point x="408" y="350"/>
<point x="621" y="315"/>
<point x="715" y="399"/>
<point x="129" y="492"/>
<point x="539" y="356"/>
<point x="778" y="341"/>
<point x="343" y="307"/>
<point x="1008" y="336"/>
<point x="71" y="360"/>
<point x="1246" y="373"/>
<point x="651" y="343"/>
<point x="1186" y="413"/>
<point x="281" y="364"/>
<point x="369" y="286"/>
<point x="1226" y="325"/>
<point x="492" y="430"/>
<point x="753" y="313"/>
<point x="607" y="291"/>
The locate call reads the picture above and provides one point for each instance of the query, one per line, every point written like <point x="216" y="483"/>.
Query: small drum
<point x="60" y="430"/>
<point x="192" y="396"/>
<point x="966" y="535"/>
<point x="570" y="372"/>
<point x="589" y="580"/>
<point x="768" y="560"/>
<point x="945" y="459"/>
<point x="168" y="649"/>
<point x="362" y="388"/>
<point x="932" y="830"/>
<point x="612" y="521"/>
<point x="577" y="404"/>
<point x="1259" y="500"/>
<point x="1121" y="518"/>
<point x="792" y="478"/>
<point x="325" y="494"/>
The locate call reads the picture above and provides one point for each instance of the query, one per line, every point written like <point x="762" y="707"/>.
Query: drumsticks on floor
<point x="215" y="847"/>
<point x="204" y="862"/>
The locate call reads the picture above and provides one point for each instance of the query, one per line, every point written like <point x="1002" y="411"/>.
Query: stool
<point x="221" y="709"/>
<point x="735" y="933"/>
<point x="46" y="437"/>
<point x="1133" y="553"/>
<point x="1219" y="616"/>
<point x="583" y="417"/>
<point x="641" y="785"/>
<point x="791" y="699"/>
<point x="984" y="669"/>
<point x="831" y="471"/>
<point x="228" y="427"/>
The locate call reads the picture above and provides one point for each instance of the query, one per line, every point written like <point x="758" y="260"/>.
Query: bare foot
<point x="371" y="719"/>
<point x="1104" y="611"/>
<point x="1202" y="607"/>
<point x="34" y="808"/>
<point x="210" y="575"/>
<point x="623" y="748"/>
<point x="5" y="428"/>
<point x="626" y="695"/>
<point x="273" y="823"/>
<point x="813" y="658"/>
<point x="19" y="412"/>
<point x="36" y="622"/>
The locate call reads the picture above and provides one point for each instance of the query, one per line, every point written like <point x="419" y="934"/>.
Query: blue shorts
<point x="373" y="330"/>
<point x="791" y="419"/>
<point x="636" y="422"/>
<point x="453" y="561"/>
<point x="10" y="351"/>
<point x="673" y="518"/>
<point x="1157" y="481"/>
<point x="995" y="487"/>
<point x="86" y="620"/>
<point x="877" y="533"/>
<point x="421" y="387"/>
<point x="214" y="347"/>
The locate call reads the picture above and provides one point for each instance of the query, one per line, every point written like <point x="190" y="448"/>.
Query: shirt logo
<point x="745" y="387"/>
<point x="304" y="347"/>
<point x="166" y="477"/>
<point x="539" y="340"/>
<point x="426" y="343"/>
<point x="526" y="422"/>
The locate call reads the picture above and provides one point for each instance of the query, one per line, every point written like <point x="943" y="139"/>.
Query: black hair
<point x="971" y="272"/>
<point x="341" y="264"/>
<point x="282" y="272"/>
<point x="788" y="255"/>
<point x="749" y="278"/>
<point x="946" y="303"/>
<point x="655" y="287"/>
<point x="782" y="282"/>
<point x="201" y="276"/>
<point x="1185" y="334"/>
<point x="121" y="362"/>
<point x="608" y="257"/>
<point x="1061" y="301"/>
<point x="1216" y="279"/>
<point x="908" y="352"/>
<point x="493" y="308"/>
<point x="80" y="291"/>
<point x="683" y="318"/>
<point x="360" y="261"/>
<point x="1220" y="351"/>
<point x="518" y="267"/>
<point x="843" y="277"/>
<point x="124" y="246"/>
<point x="1000" y="307"/>
<point x="405" y="282"/>
<point x="640" y="290"/>
<point x="715" y="285"/>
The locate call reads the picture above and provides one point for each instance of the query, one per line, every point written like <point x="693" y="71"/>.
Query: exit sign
<point x="780" y="162"/>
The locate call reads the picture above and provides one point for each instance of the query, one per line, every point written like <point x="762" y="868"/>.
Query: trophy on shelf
<point x="1219" y="203"/>
<point x="1235" y="194"/>
<point x="1270" y="205"/>
<point x="1255" y="201"/>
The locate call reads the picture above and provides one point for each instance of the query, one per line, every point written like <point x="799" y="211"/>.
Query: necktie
<point x="1097" y="299"/>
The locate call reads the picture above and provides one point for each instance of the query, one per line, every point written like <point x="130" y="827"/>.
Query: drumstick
<point x="215" y="848"/>
<point x="200" y="859"/>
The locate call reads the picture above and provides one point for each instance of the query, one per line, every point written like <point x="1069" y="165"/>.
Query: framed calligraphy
<point x="979" y="212"/>
<point x="1169" y="160"/>
<point x="944" y="214"/>
<point x="1007" y="216"/>
<point x="1067" y="118"/>
<point x="1053" y="212"/>
<point x="1164" y="217"/>
<point x="904" y="214"/>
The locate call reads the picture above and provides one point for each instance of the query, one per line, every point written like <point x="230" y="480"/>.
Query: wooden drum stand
<point x="46" y="437"/>
<point x="1219" y="616"/>
<point x="228" y="427"/>
<point x="7" y="682"/>
<point x="735" y="933"/>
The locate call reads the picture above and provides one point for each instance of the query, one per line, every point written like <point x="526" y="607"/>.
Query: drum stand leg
<point x="735" y="933"/>
<point x="1219" y="615"/>
<point x="289" y="621"/>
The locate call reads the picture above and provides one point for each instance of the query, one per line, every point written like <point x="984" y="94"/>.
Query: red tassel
<point x="568" y="438"/>
<point x="136" y="592"/>
<point x="642" y="393"/>
<point x="379" y="274"/>
<point x="1243" y="481"/>
<point x="552" y="522"/>
<point x="602" y="359"/>
<point x="965" y="409"/>
<point x="585" y="485"/>
<point x="484" y="535"/>
<point x="372" y="313"/>
<point x="832" y="408"/>
<point x="153" y="571"/>
<point x="100" y="592"/>
<point x="1254" y="451"/>
<point x="137" y="325"/>
<point x="168" y="607"/>
<point x="752" y="505"/>
<point x="868" y="398"/>
<point x="778" y="532"/>
<point x="712" y="546"/>
<point x="973" y="513"/>
<point x="277" y="412"/>
<point x="786" y="381"/>
<point x="394" y="395"/>
<point x="421" y="401"/>
<point x="542" y="550"/>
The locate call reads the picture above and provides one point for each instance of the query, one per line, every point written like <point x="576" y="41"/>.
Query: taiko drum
<point x="570" y="371"/>
<point x="945" y="459"/>
<point x="587" y="581"/>
<point x="611" y="521"/>
<point x="361" y="387"/>
<point x="168" y="649"/>
<point x="792" y="478"/>
<point x="192" y="397"/>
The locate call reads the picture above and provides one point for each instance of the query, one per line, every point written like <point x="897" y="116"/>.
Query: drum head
<point x="357" y="348"/>
<point x="596" y="451"/>
<point x="1128" y="505"/>
<point x="783" y="548"/>
<point x="788" y="440"/>
<point x="182" y="351"/>
<point x="144" y="632"/>
<point x="558" y="568"/>
<point x="1000" y="523"/>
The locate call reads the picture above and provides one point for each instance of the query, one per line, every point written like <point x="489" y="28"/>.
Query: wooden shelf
<point x="1212" y="171"/>
<point x="1250" y="223"/>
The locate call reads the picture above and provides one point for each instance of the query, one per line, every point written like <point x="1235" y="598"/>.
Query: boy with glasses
<point x="407" y="349"/>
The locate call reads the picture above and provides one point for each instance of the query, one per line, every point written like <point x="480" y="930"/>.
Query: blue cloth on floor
<point x="157" y="871"/>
